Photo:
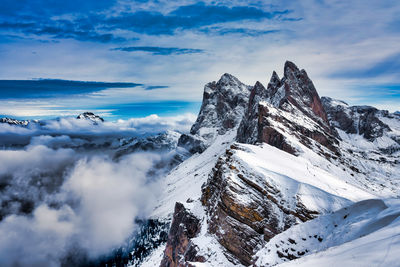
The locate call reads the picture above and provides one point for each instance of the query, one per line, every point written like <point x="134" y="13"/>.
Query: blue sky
<point x="159" y="54"/>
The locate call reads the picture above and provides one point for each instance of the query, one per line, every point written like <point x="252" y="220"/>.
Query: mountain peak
<point x="300" y="92"/>
<point x="274" y="78"/>
<point x="90" y="116"/>
<point x="228" y="79"/>
<point x="289" y="68"/>
<point x="284" y="99"/>
<point x="223" y="106"/>
<point x="229" y="104"/>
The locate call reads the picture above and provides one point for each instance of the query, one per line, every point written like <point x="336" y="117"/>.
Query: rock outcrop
<point x="300" y="92"/>
<point x="248" y="196"/>
<point x="222" y="109"/>
<point x="179" y="249"/>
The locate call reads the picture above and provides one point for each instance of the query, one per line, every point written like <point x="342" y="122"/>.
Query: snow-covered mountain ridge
<point x="269" y="160"/>
<point x="83" y="116"/>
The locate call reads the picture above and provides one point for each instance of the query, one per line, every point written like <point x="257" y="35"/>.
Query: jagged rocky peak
<point x="90" y="116"/>
<point x="222" y="100"/>
<point x="274" y="83"/>
<point x="300" y="91"/>
<point x="288" y="106"/>
<point x="224" y="103"/>
<point x="248" y="128"/>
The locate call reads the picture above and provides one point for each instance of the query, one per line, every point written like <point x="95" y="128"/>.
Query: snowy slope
<point x="363" y="234"/>
<point x="369" y="143"/>
<point x="301" y="176"/>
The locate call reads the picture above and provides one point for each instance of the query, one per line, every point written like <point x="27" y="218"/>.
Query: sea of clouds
<point x="61" y="205"/>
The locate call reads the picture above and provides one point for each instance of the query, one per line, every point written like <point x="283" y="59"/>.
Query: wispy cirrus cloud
<point x="154" y="87"/>
<point x="155" y="50"/>
<point x="388" y="66"/>
<point x="61" y="29"/>
<point x="239" y="31"/>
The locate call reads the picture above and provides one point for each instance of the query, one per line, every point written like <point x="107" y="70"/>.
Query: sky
<point x="124" y="59"/>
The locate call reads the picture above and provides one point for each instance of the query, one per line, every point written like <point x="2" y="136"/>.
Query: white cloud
<point x="92" y="209"/>
<point x="80" y="127"/>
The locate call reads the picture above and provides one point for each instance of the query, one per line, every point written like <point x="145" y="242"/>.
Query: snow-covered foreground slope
<point x="364" y="234"/>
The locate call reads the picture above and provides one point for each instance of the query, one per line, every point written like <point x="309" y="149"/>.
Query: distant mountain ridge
<point x="12" y="121"/>
<point x="85" y="115"/>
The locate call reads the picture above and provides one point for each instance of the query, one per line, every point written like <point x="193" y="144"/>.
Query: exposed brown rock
<point x="180" y="249"/>
<point x="268" y="134"/>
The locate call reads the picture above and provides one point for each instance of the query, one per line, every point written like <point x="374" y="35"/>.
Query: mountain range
<point x="278" y="175"/>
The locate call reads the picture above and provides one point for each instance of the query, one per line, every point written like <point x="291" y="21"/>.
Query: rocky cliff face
<point x="296" y="95"/>
<point x="300" y="91"/>
<point x="223" y="107"/>
<point x="180" y="249"/>
<point x="288" y="107"/>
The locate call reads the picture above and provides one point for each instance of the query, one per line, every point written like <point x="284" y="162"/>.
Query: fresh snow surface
<point x="309" y="179"/>
<point x="382" y="177"/>
<point x="394" y="124"/>
<point x="316" y="181"/>
<point x="154" y="258"/>
<point x="360" y="142"/>
<point x="364" y="234"/>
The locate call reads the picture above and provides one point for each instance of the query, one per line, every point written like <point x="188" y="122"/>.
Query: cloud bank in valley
<point x="69" y="130"/>
<point x="62" y="203"/>
<point x="57" y="202"/>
